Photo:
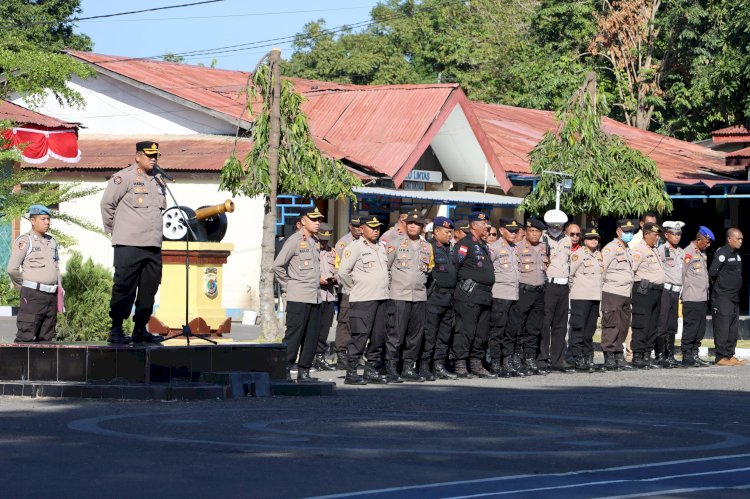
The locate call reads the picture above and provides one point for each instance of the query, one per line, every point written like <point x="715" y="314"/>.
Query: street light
<point x="565" y="184"/>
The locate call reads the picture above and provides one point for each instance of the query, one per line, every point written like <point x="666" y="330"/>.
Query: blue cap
<point x="706" y="232"/>
<point x="477" y="216"/>
<point x="38" y="209"/>
<point x="442" y="222"/>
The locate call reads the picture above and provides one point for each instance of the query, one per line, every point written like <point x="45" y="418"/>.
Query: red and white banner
<point x="38" y="144"/>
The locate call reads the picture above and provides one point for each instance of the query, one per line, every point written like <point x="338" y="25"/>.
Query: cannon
<point x="209" y="223"/>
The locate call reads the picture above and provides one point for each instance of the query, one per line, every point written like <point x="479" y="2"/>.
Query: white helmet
<point x="555" y="217"/>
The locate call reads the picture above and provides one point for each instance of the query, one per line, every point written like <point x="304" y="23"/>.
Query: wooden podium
<point x="206" y="314"/>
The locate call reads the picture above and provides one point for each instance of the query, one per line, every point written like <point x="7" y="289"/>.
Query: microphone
<point x="158" y="169"/>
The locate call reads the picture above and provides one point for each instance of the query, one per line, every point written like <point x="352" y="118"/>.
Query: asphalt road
<point x="678" y="433"/>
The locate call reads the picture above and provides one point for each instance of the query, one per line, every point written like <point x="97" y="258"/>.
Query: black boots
<point x="341" y="362"/>
<point x="582" y="365"/>
<point x="509" y="370"/>
<point x="598" y="368"/>
<point x="303" y="375"/>
<point x="319" y="363"/>
<point x="441" y="372"/>
<point x="640" y="362"/>
<point x="531" y="367"/>
<point x="701" y="362"/>
<point x="610" y="361"/>
<point x="141" y="335"/>
<point x="117" y="337"/>
<point x="461" y="371"/>
<point x="621" y="362"/>
<point x="372" y="374"/>
<point x="477" y="369"/>
<point x="352" y="378"/>
<point x="409" y="374"/>
<point x="425" y="372"/>
<point x="391" y="369"/>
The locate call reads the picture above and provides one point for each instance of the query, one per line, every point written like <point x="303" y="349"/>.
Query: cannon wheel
<point x="174" y="226"/>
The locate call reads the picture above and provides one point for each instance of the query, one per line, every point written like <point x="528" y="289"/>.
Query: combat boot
<point x="610" y="362"/>
<point x="319" y="363"/>
<point x="116" y="336"/>
<point x="303" y="375"/>
<point x="621" y="362"/>
<point x="531" y="367"/>
<point x="425" y="371"/>
<point x="461" y="371"/>
<point x="701" y="362"/>
<point x="477" y="369"/>
<point x="391" y="369"/>
<point x="341" y="361"/>
<point x="352" y="378"/>
<point x="508" y="370"/>
<point x="651" y="363"/>
<point x="597" y="368"/>
<point x="639" y="362"/>
<point x="582" y="365"/>
<point x="409" y="374"/>
<point x="496" y="367"/>
<point x="442" y="373"/>
<point x="689" y="360"/>
<point x="371" y="374"/>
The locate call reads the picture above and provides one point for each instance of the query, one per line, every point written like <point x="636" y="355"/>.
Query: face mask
<point x="554" y="231"/>
<point x="627" y="236"/>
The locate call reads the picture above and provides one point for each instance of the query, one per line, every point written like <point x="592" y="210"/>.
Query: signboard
<point x="412" y="186"/>
<point x="426" y="176"/>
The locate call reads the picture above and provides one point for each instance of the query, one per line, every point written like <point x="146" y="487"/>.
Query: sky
<point x="211" y="26"/>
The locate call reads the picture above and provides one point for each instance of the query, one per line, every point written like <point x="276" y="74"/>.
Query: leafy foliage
<point x="609" y="177"/>
<point x="8" y="294"/>
<point x="88" y="287"/>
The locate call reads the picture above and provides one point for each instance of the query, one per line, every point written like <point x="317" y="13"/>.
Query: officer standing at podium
<point x="131" y="208"/>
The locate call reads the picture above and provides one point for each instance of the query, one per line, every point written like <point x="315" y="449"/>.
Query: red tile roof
<point x="742" y="153"/>
<point x="732" y="130"/>
<point x="20" y="115"/>
<point x="731" y="135"/>
<point x="514" y="132"/>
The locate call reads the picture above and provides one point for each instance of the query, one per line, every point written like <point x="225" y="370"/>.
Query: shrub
<point x="8" y="295"/>
<point x="88" y="288"/>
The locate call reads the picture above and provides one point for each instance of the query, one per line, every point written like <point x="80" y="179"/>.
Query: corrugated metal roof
<point x="179" y="152"/>
<point x="514" y="132"/>
<point x="20" y="115"/>
<point x="445" y="197"/>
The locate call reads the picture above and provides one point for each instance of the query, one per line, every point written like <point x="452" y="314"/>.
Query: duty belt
<point x="557" y="280"/>
<point x="47" y="288"/>
<point x="529" y="287"/>
<point x="672" y="287"/>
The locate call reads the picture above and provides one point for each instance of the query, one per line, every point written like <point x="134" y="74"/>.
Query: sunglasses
<point x="493" y="233"/>
<point x="575" y="234"/>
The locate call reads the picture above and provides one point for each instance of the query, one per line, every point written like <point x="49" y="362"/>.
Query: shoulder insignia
<point x="636" y="255"/>
<point x="341" y="245"/>
<point x="722" y="258"/>
<point x="117" y="180"/>
<point x="22" y="243"/>
<point x="463" y="250"/>
<point x="687" y="258"/>
<point x="390" y="249"/>
<point x="347" y="254"/>
<point x="606" y="251"/>
<point x="574" y="257"/>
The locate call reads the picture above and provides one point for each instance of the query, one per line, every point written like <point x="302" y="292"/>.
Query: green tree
<point x="609" y="177"/>
<point x="170" y="57"/>
<point x="284" y="159"/>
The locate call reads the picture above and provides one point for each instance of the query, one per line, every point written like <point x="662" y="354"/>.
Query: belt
<point x="529" y="287"/>
<point x="47" y="288"/>
<point x="672" y="287"/>
<point x="557" y="280"/>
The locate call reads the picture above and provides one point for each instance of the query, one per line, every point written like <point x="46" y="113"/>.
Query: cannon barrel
<point x="210" y="211"/>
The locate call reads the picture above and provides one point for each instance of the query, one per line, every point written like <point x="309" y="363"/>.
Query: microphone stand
<point x="186" y="331"/>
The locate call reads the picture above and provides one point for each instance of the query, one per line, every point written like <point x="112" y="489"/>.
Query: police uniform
<point x="33" y="268"/>
<point x="438" y="324"/>
<point x="297" y="269"/>
<point x="586" y="279"/>
<point x="726" y="271"/>
<point x="409" y="262"/>
<point x="672" y="261"/>
<point x="556" y="297"/>
<point x="695" y="286"/>
<point x="328" y="296"/>
<point x="131" y="209"/>
<point x="343" y="334"/>
<point x="526" y="315"/>
<point x="504" y="294"/>
<point x="648" y="276"/>
<point x="473" y="299"/>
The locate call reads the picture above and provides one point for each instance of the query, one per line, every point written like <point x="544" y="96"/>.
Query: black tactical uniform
<point x="726" y="271"/>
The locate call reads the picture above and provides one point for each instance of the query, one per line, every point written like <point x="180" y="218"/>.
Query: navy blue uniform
<point x="438" y="326"/>
<point x="726" y="271"/>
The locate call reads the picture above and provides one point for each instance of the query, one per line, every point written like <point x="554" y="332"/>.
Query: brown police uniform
<point x="556" y="297"/>
<point x="672" y="261"/>
<point x="297" y="269"/>
<point x="648" y="276"/>
<point x="616" y="300"/>
<point x="504" y="293"/>
<point x="695" y="287"/>
<point x="328" y="295"/>
<point x="586" y="279"/>
<point x="131" y="209"/>
<point x="33" y="268"/>
<point x="343" y="334"/>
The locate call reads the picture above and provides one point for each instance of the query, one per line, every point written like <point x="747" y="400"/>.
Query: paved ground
<point x="679" y="433"/>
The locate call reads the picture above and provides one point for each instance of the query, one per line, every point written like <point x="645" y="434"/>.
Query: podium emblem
<point x="211" y="282"/>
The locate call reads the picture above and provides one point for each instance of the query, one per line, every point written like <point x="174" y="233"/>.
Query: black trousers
<point x="616" y="315"/>
<point x="438" y="332"/>
<point x="302" y="322"/>
<point x="472" y="330"/>
<point x="501" y="343"/>
<point x="645" y="323"/>
<point x="668" y="312"/>
<point x="37" y="316"/>
<point x="367" y="321"/>
<point x="137" y="278"/>
<point x="324" y="327"/>
<point x="583" y="316"/>
<point x="726" y="322"/>
<point x="343" y="333"/>
<point x="405" y="324"/>
<point x="693" y="325"/>
<point x="525" y="322"/>
<point x="554" y="325"/>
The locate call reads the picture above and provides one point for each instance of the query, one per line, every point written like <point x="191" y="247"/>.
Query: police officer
<point x="726" y="272"/>
<point x="671" y="256"/>
<point x="504" y="295"/>
<point x="364" y="270"/>
<point x="556" y="294"/>
<point x="695" y="297"/>
<point x="461" y="230"/>
<point x="648" y="276"/>
<point x="33" y="268"/>
<point x="473" y="297"/>
<point x="586" y="277"/>
<point x="398" y="229"/>
<point x="616" y="296"/>
<point x="438" y="324"/>
<point x="410" y="261"/>
<point x="131" y="208"/>
<point x="297" y="269"/>
<point x="343" y="334"/>
<point x="328" y="295"/>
